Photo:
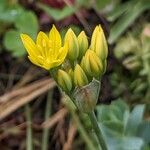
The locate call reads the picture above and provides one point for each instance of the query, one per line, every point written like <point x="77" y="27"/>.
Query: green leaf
<point x="120" y="127"/>
<point x="9" y="12"/>
<point x="114" y="112"/>
<point x="84" y="3"/>
<point x="86" y="97"/>
<point x="134" y="120"/>
<point x="108" y="113"/>
<point x="57" y="14"/>
<point x="116" y="141"/>
<point x="119" y="10"/>
<point x="102" y="4"/>
<point x="12" y="43"/>
<point x="27" y="23"/>
<point x="121" y="105"/>
<point x="126" y="116"/>
<point x="127" y="19"/>
<point x="2" y="3"/>
<point x="115" y="126"/>
<point x="125" y="143"/>
<point x="144" y="131"/>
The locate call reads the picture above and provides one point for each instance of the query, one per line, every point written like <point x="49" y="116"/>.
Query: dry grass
<point x="11" y="101"/>
<point x="55" y="118"/>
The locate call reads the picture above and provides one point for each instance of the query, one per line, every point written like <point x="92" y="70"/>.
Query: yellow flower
<point x="47" y="52"/>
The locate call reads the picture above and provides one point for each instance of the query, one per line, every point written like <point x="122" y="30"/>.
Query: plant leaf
<point x="57" y="14"/>
<point x="129" y="17"/>
<point x="9" y="13"/>
<point x="27" y="23"/>
<point x="134" y="120"/>
<point x="144" y="131"/>
<point x="12" y="43"/>
<point x="116" y="141"/>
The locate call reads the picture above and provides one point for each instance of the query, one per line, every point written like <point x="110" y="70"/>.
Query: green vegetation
<point x="35" y="114"/>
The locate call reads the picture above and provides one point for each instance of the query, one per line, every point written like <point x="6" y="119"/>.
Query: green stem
<point x="97" y="130"/>
<point x="45" y="135"/>
<point x="29" y="141"/>
<point x="83" y="132"/>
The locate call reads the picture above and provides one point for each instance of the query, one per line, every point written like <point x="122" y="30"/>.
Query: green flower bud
<point x="80" y="78"/>
<point x="73" y="47"/>
<point x="92" y="64"/>
<point x="86" y="97"/>
<point x="64" y="80"/>
<point x="98" y="43"/>
<point x="83" y="44"/>
<point x="82" y="64"/>
<point x="104" y="65"/>
<point x="71" y="74"/>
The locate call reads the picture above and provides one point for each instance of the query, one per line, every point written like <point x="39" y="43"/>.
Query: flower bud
<point x="71" y="74"/>
<point x="82" y="64"/>
<point x="92" y="64"/>
<point x="98" y="43"/>
<point x="73" y="47"/>
<point x="80" y="78"/>
<point x="83" y="44"/>
<point x="86" y="97"/>
<point x="64" y="80"/>
<point x="104" y="65"/>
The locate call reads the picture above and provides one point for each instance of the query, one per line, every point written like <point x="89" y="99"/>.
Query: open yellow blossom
<point x="47" y="52"/>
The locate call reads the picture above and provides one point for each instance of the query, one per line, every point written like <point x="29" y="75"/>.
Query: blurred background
<point x="33" y="115"/>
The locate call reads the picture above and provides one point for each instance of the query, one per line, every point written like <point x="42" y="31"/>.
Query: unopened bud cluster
<point x="84" y="65"/>
<point x="84" y="60"/>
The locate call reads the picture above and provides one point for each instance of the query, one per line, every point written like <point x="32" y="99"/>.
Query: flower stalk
<point x="97" y="130"/>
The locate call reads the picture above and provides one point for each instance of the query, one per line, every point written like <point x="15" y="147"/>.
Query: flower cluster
<point x="84" y="60"/>
<point x="74" y="63"/>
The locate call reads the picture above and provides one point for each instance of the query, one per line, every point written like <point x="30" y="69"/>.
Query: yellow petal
<point x="35" y="60"/>
<point x="56" y="63"/>
<point x="63" y="52"/>
<point x="47" y="66"/>
<point x="29" y="45"/>
<point x="55" y="38"/>
<point x="42" y="39"/>
<point x="43" y="43"/>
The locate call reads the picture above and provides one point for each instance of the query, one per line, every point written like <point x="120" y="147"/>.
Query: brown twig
<point x="24" y="90"/>
<point x="70" y="137"/>
<point x="55" y="118"/>
<point x="11" y="105"/>
<point x="12" y="130"/>
<point x="30" y="74"/>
